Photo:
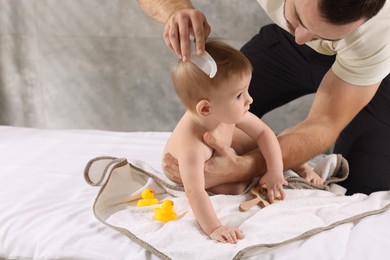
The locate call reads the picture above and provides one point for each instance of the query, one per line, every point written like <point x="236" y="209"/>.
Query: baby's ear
<point x="203" y="107"/>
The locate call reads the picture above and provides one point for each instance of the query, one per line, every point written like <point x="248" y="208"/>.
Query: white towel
<point x="303" y="213"/>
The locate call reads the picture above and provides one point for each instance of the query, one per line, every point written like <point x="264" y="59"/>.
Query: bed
<point x="48" y="205"/>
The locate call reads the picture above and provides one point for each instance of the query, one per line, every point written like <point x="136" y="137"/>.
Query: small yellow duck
<point x="148" y="198"/>
<point x="165" y="213"/>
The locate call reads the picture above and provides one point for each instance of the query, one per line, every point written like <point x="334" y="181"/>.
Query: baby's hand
<point x="226" y="234"/>
<point x="274" y="184"/>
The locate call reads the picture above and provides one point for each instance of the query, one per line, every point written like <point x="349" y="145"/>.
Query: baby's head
<point x="193" y="85"/>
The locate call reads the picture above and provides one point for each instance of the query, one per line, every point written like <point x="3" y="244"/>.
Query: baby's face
<point x="232" y="100"/>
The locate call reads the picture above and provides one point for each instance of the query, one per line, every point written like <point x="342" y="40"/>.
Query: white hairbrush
<point x="204" y="62"/>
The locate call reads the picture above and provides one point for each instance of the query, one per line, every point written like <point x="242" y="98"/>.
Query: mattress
<point x="46" y="205"/>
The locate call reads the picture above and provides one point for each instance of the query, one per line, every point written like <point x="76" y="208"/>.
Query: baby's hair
<point x="192" y="84"/>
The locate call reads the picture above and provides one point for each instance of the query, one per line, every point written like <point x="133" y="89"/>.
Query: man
<point x="338" y="49"/>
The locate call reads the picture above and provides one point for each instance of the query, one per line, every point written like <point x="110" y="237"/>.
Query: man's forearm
<point x="327" y="117"/>
<point x="303" y="141"/>
<point x="298" y="144"/>
<point x="161" y="10"/>
<point x="249" y="166"/>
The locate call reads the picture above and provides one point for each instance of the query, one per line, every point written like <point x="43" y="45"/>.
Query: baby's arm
<point x="270" y="149"/>
<point x="306" y="172"/>
<point x="191" y="165"/>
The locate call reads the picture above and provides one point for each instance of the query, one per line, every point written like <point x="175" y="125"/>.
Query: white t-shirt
<point x="362" y="56"/>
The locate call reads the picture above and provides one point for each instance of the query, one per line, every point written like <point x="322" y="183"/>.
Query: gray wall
<point x="99" y="64"/>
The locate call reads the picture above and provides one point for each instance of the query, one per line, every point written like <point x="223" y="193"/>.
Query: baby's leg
<point x="306" y="172"/>
<point x="229" y="188"/>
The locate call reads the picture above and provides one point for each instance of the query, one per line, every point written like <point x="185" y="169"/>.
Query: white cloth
<point x="45" y="205"/>
<point x="302" y="214"/>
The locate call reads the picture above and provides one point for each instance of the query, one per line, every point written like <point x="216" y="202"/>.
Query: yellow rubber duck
<point x="165" y="213"/>
<point x="148" y="198"/>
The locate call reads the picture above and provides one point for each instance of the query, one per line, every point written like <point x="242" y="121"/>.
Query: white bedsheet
<point x="45" y="204"/>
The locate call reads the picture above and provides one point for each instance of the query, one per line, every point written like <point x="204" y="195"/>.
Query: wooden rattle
<point x="245" y="206"/>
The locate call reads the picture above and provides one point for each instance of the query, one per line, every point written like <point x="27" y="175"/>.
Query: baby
<point x="218" y="106"/>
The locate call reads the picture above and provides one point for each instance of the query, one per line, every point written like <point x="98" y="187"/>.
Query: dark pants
<point x="284" y="71"/>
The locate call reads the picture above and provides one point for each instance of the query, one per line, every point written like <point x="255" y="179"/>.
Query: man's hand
<point x="217" y="168"/>
<point x="178" y="28"/>
<point x="171" y="168"/>
<point x="223" y="162"/>
<point x="225" y="166"/>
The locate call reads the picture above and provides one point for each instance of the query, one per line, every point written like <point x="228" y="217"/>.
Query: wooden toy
<point x="260" y="198"/>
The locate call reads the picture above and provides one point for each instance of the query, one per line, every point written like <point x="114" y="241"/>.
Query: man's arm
<point x="334" y="106"/>
<point x="161" y="10"/>
<point x="181" y="20"/>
